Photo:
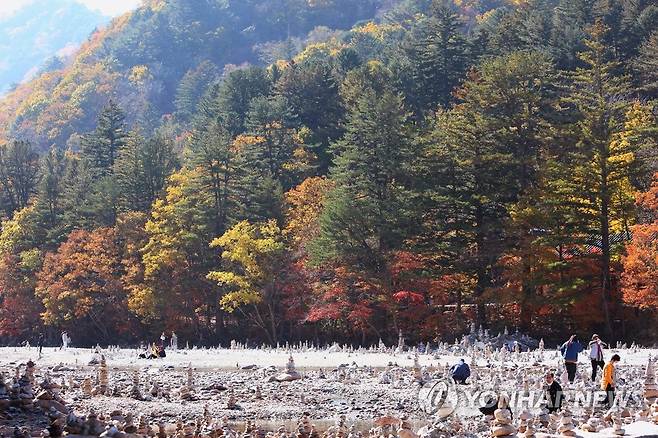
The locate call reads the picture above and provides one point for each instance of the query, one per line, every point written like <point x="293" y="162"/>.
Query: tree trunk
<point x="606" y="284"/>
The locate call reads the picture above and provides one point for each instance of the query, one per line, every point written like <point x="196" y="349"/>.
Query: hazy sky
<point x="107" y="7"/>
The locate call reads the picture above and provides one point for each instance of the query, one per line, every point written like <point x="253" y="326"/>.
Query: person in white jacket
<point x="596" y="346"/>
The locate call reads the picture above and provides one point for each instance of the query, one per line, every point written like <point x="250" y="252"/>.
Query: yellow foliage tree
<point x="304" y="205"/>
<point x="254" y="254"/>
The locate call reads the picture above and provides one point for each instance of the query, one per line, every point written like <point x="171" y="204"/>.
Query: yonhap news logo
<point x="442" y="397"/>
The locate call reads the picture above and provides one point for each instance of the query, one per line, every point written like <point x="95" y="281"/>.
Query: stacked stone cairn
<point x="530" y="429"/>
<point x="502" y="425"/>
<point x="135" y="391"/>
<point x="87" y="388"/>
<point x="616" y="421"/>
<point x="186" y="392"/>
<point x="4" y="394"/>
<point x="103" y="379"/>
<point x="567" y="426"/>
<point x="651" y="391"/>
<point x="524" y="417"/>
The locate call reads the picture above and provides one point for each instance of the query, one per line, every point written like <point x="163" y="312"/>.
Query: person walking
<point x="570" y="351"/>
<point x="596" y="346"/>
<point x="609" y="380"/>
<point x="40" y="342"/>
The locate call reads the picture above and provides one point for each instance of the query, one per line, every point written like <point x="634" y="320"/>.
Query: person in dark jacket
<point x="460" y="372"/>
<point x="570" y="351"/>
<point x="40" y="342"/>
<point x="596" y="346"/>
<point x="552" y="393"/>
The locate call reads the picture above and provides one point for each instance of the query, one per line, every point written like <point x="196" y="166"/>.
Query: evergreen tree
<point x="101" y="148"/>
<point x="481" y="157"/>
<point x="568" y="31"/>
<point x="367" y="215"/>
<point x="19" y="175"/>
<point x="234" y="96"/>
<point x="192" y="88"/>
<point x="88" y="201"/>
<point x="211" y="152"/>
<point x="438" y="54"/>
<point x="141" y="171"/>
<point x="602" y="154"/>
<point x="49" y="200"/>
<point x="273" y="158"/>
<point x="646" y="66"/>
<point x="312" y="92"/>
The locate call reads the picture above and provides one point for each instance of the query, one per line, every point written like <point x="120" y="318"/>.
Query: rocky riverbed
<point x="305" y="391"/>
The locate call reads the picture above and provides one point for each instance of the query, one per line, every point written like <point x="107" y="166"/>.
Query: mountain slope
<point x="39" y="31"/>
<point x="141" y="57"/>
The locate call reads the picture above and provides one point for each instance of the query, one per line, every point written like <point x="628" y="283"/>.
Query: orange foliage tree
<point x="640" y="275"/>
<point x="81" y="287"/>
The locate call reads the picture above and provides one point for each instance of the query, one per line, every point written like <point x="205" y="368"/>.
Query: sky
<point x="107" y="7"/>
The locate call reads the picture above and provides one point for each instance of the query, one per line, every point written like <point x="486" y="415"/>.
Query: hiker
<point x="609" y="380"/>
<point x="40" y="341"/>
<point x="173" y="343"/>
<point x="460" y="372"/>
<point x="596" y="346"/>
<point x="552" y="393"/>
<point x="570" y="351"/>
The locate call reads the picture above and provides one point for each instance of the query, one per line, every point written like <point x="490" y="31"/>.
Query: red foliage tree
<point x="19" y="308"/>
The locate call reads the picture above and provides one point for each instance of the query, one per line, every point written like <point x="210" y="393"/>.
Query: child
<point x="609" y="380"/>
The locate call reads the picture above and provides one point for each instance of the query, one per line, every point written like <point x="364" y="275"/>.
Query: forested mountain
<point x="38" y="35"/>
<point x="158" y="59"/>
<point x="334" y="170"/>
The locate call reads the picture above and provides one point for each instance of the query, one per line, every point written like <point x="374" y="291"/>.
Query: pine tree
<point x="366" y="216"/>
<point x="101" y="148"/>
<point x="312" y="92"/>
<point x="235" y="94"/>
<point x="602" y="158"/>
<point x="192" y="88"/>
<point x="141" y="171"/>
<point x="438" y="55"/>
<point x="570" y="18"/>
<point x="646" y="66"/>
<point x="19" y="175"/>
<point x="273" y="158"/>
<point x="211" y="152"/>
<point x="480" y="158"/>
<point x="49" y="201"/>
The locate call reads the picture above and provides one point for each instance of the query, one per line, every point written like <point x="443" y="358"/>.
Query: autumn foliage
<point x="640" y="277"/>
<point x="276" y="171"/>
<point x="81" y="286"/>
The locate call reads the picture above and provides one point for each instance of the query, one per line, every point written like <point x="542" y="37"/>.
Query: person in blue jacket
<point x="570" y="351"/>
<point x="460" y="372"/>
